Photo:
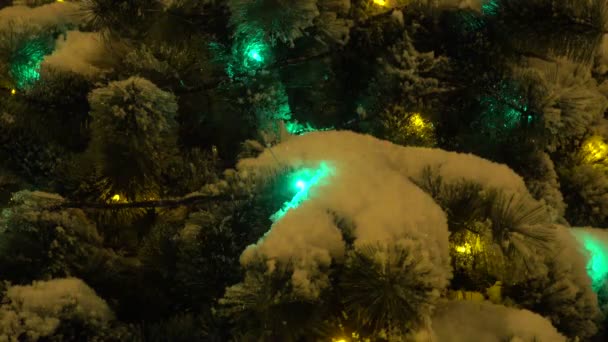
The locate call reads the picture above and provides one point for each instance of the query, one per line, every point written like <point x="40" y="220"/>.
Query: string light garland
<point x="144" y="198"/>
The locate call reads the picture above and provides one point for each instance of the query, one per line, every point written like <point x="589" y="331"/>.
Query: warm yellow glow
<point x="467" y="295"/>
<point x="417" y="121"/>
<point x="338" y="340"/>
<point x="13" y="91"/>
<point x="595" y="149"/>
<point x="471" y="245"/>
<point x="465" y="249"/>
<point x="380" y="2"/>
<point x="116" y="198"/>
<point x="59" y="0"/>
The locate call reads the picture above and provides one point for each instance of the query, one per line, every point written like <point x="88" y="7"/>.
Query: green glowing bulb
<point x="306" y="179"/>
<point x="295" y="128"/>
<point x="255" y="56"/>
<point x="597" y="264"/>
<point x="300" y="184"/>
<point x="251" y="50"/>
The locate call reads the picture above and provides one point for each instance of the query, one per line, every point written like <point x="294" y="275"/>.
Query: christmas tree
<point x="303" y="170"/>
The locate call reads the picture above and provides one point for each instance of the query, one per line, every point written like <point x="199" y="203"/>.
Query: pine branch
<point x="162" y="203"/>
<point x="203" y="86"/>
<point x="299" y="60"/>
<point x="384" y="14"/>
<point x="530" y="54"/>
<point x="497" y="97"/>
<point x="276" y="65"/>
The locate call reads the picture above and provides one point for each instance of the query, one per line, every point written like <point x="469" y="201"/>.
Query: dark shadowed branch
<point x="162" y="203"/>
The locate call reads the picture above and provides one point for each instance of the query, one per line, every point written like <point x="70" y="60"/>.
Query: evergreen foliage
<point x="389" y="288"/>
<point x="133" y="123"/>
<point x="39" y="242"/>
<point x="266" y="306"/>
<point x="62" y="309"/>
<point x="147" y="104"/>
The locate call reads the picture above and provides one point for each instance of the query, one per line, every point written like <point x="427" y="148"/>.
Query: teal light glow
<point x="300" y="184"/>
<point x="597" y="266"/>
<point x="250" y="52"/>
<point x="25" y="62"/>
<point x="506" y="108"/>
<point x="305" y="179"/>
<point x="255" y="53"/>
<point x="490" y="7"/>
<point x="473" y="21"/>
<point x="255" y="56"/>
<point x="296" y="128"/>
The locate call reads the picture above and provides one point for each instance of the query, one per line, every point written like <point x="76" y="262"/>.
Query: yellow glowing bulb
<point x="417" y="121"/>
<point x="595" y="149"/>
<point x="13" y="91"/>
<point x="116" y="198"/>
<point x="380" y="2"/>
<point x="59" y="0"/>
<point x="340" y="340"/>
<point x="464" y="249"/>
